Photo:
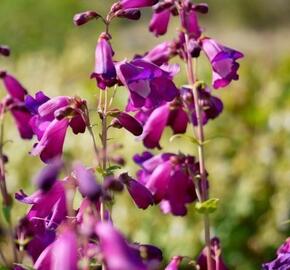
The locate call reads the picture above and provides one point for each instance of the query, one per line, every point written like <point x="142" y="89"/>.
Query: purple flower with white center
<point x="47" y="207"/>
<point x="84" y="17"/>
<point x="216" y="259"/>
<point x="117" y="253"/>
<point x="87" y="183"/>
<point x="211" y="106"/>
<point x="223" y="61"/>
<point x="174" y="263"/>
<point x="4" y="50"/>
<point x="282" y="261"/>
<point x="169" y="114"/>
<point x="50" y="120"/>
<point x="128" y="122"/>
<point x="159" y="22"/>
<point x="149" y="85"/>
<point x="105" y="72"/>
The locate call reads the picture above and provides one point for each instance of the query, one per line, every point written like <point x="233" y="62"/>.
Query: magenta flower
<point x="190" y="23"/>
<point x="51" y="118"/>
<point x="282" y="262"/>
<point x="105" y="72"/>
<point x="146" y="83"/>
<point x="4" y="50"/>
<point x="47" y="207"/>
<point x="223" y="61"/>
<point x="216" y="259"/>
<point x="128" y="122"/>
<point x="159" y="22"/>
<point x="129" y="4"/>
<point x="167" y="178"/>
<point x="169" y="114"/>
<point x="117" y="253"/>
<point x="174" y="263"/>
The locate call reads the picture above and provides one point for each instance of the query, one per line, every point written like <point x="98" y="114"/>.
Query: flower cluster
<point x="55" y="233"/>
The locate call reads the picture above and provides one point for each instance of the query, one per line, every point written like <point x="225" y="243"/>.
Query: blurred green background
<point x="248" y="162"/>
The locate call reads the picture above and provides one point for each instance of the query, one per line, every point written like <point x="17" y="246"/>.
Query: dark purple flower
<point x="159" y="22"/>
<point x="282" y="262"/>
<point x="48" y="207"/>
<point x="216" y="259"/>
<point x="223" y="61"/>
<point x="84" y="17"/>
<point x="174" y="263"/>
<point x="87" y="183"/>
<point x="167" y="178"/>
<point x="211" y="105"/>
<point x="128" y="122"/>
<point x="169" y="114"/>
<point x="139" y="193"/>
<point x="149" y="85"/>
<point x="105" y="72"/>
<point x="13" y="87"/>
<point x="131" y="14"/>
<point x="117" y="253"/>
<point x="4" y="50"/>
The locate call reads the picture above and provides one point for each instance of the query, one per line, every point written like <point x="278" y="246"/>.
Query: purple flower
<point x="160" y="54"/>
<point x="216" y="259"/>
<point x="87" y="183"/>
<point x="4" y="50"/>
<point x="169" y="114"/>
<point x="13" y="87"/>
<point x="84" y="17"/>
<point x="174" y="263"/>
<point x="167" y="178"/>
<point x="189" y="22"/>
<point x="129" y="4"/>
<point x="211" y="105"/>
<point x="50" y="120"/>
<point x="131" y="14"/>
<point x="223" y="61"/>
<point x="105" y="72"/>
<point x="159" y="22"/>
<point x="128" y="122"/>
<point x="146" y="83"/>
<point x="282" y="262"/>
<point x="47" y="207"/>
<point x="117" y="253"/>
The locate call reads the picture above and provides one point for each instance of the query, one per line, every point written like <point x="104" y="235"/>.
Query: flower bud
<point x="4" y="50"/>
<point x="131" y="14"/>
<point x="84" y="17"/>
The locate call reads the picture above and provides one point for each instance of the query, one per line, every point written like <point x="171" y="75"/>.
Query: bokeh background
<point x="249" y="158"/>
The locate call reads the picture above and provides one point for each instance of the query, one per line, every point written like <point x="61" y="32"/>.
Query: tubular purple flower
<point x="131" y="14"/>
<point x="87" y="183"/>
<point x="282" y="262"/>
<point x="105" y="72"/>
<point x="129" y="4"/>
<point x="13" y="87"/>
<point x="64" y="252"/>
<point x="216" y="259"/>
<point x="189" y="22"/>
<point x="146" y="82"/>
<point x="174" y="263"/>
<point x="84" y="17"/>
<point x="117" y="253"/>
<point x="48" y="108"/>
<point x="139" y="193"/>
<point x="4" y="50"/>
<point x="128" y="122"/>
<point x="223" y="61"/>
<point x="159" y="22"/>
<point x="51" y="143"/>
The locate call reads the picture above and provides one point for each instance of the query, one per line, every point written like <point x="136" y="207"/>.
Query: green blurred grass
<point x="248" y="161"/>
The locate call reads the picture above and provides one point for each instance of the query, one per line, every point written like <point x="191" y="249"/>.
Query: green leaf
<point x="184" y="136"/>
<point x="208" y="206"/>
<point x="111" y="169"/>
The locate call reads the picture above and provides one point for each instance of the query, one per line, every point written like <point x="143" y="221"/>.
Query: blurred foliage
<point x="248" y="158"/>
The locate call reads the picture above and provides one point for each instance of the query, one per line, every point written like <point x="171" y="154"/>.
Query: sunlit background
<point x="248" y="158"/>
